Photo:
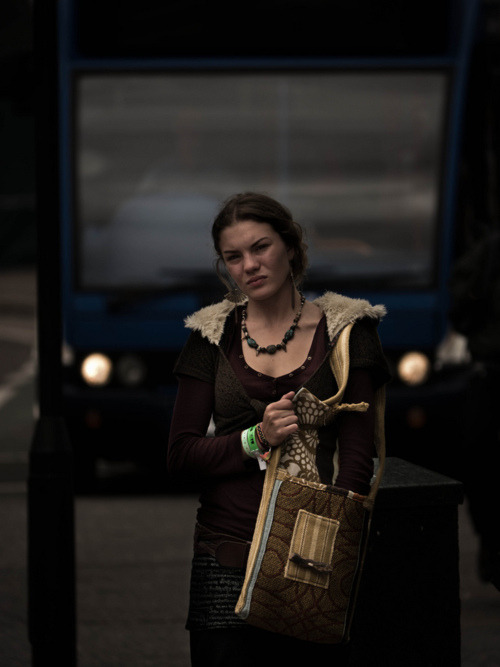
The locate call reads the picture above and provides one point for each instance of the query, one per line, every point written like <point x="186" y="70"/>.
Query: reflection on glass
<point x="355" y="155"/>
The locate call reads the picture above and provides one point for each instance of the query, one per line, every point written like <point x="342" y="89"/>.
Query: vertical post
<point x="51" y="552"/>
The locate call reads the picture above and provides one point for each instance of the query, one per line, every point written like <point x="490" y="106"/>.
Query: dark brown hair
<point x="261" y="208"/>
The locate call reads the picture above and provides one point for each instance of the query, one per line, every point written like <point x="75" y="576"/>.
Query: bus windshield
<point x="356" y="155"/>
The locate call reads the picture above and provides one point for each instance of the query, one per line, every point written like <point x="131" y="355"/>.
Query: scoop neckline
<point x="295" y="371"/>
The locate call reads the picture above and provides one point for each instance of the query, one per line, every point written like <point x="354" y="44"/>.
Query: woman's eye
<point x="262" y="247"/>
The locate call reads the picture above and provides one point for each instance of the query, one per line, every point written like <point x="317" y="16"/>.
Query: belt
<point x="228" y="551"/>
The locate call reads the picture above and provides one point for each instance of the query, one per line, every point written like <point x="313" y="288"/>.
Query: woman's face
<point x="256" y="258"/>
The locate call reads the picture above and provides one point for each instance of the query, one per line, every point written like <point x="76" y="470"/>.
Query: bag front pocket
<point x="311" y="549"/>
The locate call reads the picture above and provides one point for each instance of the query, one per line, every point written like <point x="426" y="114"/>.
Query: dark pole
<point x="51" y="550"/>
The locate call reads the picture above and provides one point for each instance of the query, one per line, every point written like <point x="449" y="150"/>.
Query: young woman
<point x="244" y="360"/>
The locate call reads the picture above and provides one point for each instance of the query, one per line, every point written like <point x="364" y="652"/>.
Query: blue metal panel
<point x="160" y="325"/>
<point x="256" y="64"/>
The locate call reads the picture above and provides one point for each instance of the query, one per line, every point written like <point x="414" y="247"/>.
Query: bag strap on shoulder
<point x="339" y="363"/>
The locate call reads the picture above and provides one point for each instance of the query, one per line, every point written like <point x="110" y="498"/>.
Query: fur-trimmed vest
<point x="339" y="311"/>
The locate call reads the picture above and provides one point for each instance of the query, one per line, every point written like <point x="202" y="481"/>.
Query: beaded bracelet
<point x="263" y="440"/>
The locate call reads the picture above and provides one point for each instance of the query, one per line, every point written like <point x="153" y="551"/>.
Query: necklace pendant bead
<point x="271" y="349"/>
<point x="252" y="343"/>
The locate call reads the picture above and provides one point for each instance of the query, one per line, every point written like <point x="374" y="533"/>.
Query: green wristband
<point x="252" y="440"/>
<point x="249" y="442"/>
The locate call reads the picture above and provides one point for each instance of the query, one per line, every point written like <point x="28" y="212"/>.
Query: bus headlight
<point x="130" y="370"/>
<point x="414" y="368"/>
<point x="96" y="369"/>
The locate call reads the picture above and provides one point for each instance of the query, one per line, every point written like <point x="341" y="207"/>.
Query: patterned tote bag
<point x="309" y="543"/>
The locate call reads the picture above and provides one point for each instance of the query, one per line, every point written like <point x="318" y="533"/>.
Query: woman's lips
<point x="256" y="282"/>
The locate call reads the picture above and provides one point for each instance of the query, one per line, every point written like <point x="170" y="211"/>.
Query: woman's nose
<point x="250" y="262"/>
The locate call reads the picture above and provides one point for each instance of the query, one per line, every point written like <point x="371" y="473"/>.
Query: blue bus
<point x="352" y="116"/>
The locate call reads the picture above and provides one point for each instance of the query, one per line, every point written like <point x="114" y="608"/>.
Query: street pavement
<point x="133" y="548"/>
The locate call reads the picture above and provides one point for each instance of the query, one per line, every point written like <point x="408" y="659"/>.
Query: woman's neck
<point x="277" y="309"/>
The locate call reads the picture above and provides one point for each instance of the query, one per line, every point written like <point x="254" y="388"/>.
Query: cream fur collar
<point x="339" y="310"/>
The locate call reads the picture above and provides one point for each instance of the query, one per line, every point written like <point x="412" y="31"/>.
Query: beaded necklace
<point x="271" y="349"/>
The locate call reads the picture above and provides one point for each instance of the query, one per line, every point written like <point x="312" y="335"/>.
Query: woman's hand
<point x="280" y="420"/>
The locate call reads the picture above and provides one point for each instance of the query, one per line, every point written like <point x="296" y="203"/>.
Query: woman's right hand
<point x="280" y="420"/>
